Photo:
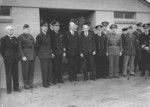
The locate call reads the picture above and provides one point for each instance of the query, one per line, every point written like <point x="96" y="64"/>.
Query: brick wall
<point x="23" y="16"/>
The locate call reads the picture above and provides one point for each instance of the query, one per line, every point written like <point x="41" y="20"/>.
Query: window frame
<point x="6" y="18"/>
<point x="125" y="20"/>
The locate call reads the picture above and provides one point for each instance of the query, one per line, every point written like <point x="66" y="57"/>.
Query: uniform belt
<point x="27" y="48"/>
<point x="114" y="44"/>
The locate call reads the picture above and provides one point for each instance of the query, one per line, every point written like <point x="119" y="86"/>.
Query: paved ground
<point x="121" y="92"/>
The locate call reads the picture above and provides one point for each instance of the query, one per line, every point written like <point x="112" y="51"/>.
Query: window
<point x="5" y="14"/>
<point x="5" y="10"/>
<point x="124" y="15"/>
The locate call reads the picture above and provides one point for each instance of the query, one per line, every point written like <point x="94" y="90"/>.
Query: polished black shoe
<point x="9" y="92"/>
<point x="54" y="83"/>
<point x="61" y="81"/>
<point x="110" y="77"/>
<point x="116" y="76"/>
<point x="105" y="77"/>
<point x="33" y="86"/>
<point x="132" y="74"/>
<point x="17" y="90"/>
<point x="45" y="86"/>
<point x="142" y="75"/>
<point x="76" y="80"/>
<point x="49" y="84"/>
<point x="27" y="87"/>
<point x="124" y="75"/>
<point x="94" y="79"/>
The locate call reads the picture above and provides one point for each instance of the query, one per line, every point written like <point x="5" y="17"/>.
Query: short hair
<point x="71" y="23"/>
<point x="55" y="22"/>
<point x="25" y="26"/>
<point x="8" y="27"/>
<point x="44" y="23"/>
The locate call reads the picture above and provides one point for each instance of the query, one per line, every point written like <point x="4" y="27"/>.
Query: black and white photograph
<point x="74" y="53"/>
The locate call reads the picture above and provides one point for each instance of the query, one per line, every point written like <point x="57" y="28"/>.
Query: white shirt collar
<point x="10" y="35"/>
<point x="44" y="33"/>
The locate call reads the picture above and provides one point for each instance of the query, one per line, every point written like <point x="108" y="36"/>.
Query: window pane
<point x="4" y="11"/>
<point x="118" y="15"/>
<point x="129" y="15"/>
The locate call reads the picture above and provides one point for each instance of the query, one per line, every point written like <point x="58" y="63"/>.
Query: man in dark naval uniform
<point x="137" y="62"/>
<point x="27" y="52"/>
<point x="87" y="52"/>
<point x="145" y="51"/>
<point x="43" y="49"/>
<point x="72" y="50"/>
<point x="124" y="34"/>
<point x="100" y="57"/>
<point x="10" y="54"/>
<point x="59" y="51"/>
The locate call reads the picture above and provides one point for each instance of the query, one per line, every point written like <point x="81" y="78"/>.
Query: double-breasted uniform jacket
<point x="113" y="44"/>
<point x="27" y="46"/>
<point x="58" y="43"/>
<point x="9" y="49"/>
<point x="87" y="44"/>
<point x="72" y="43"/>
<point x="43" y="46"/>
<point x="145" y="40"/>
<point x="100" y="41"/>
<point x="138" y="33"/>
<point x="129" y="44"/>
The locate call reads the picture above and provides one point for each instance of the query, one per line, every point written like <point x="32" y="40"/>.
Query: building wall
<point x="109" y="16"/>
<point x="21" y="16"/>
<point x="113" y="5"/>
<point x="104" y="16"/>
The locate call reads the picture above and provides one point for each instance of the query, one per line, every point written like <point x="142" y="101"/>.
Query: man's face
<point x="99" y="30"/>
<point x="85" y="28"/>
<point x="44" y="28"/>
<point x="139" y="27"/>
<point x="125" y="32"/>
<point x="146" y="29"/>
<point x="130" y="30"/>
<point x="104" y="27"/>
<point x="27" y="30"/>
<point x="113" y="30"/>
<point x="10" y="31"/>
<point x="72" y="26"/>
<point x="56" y="28"/>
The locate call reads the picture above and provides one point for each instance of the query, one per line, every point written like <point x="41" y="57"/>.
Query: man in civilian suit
<point x="27" y="51"/>
<point x="87" y="52"/>
<point x="10" y="54"/>
<point x="72" y="50"/>
<point x="43" y="49"/>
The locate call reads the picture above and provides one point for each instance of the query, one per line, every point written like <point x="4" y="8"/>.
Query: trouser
<point x="137" y="63"/>
<point x="57" y="68"/>
<point x="121" y="64"/>
<point x="113" y="65"/>
<point x="73" y="65"/>
<point x="145" y="62"/>
<point x="128" y="64"/>
<point x="46" y="69"/>
<point x="100" y="65"/>
<point x="11" y="70"/>
<point x="28" y="72"/>
<point x="88" y="62"/>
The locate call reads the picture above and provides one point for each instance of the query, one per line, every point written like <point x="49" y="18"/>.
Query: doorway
<point x="65" y="15"/>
